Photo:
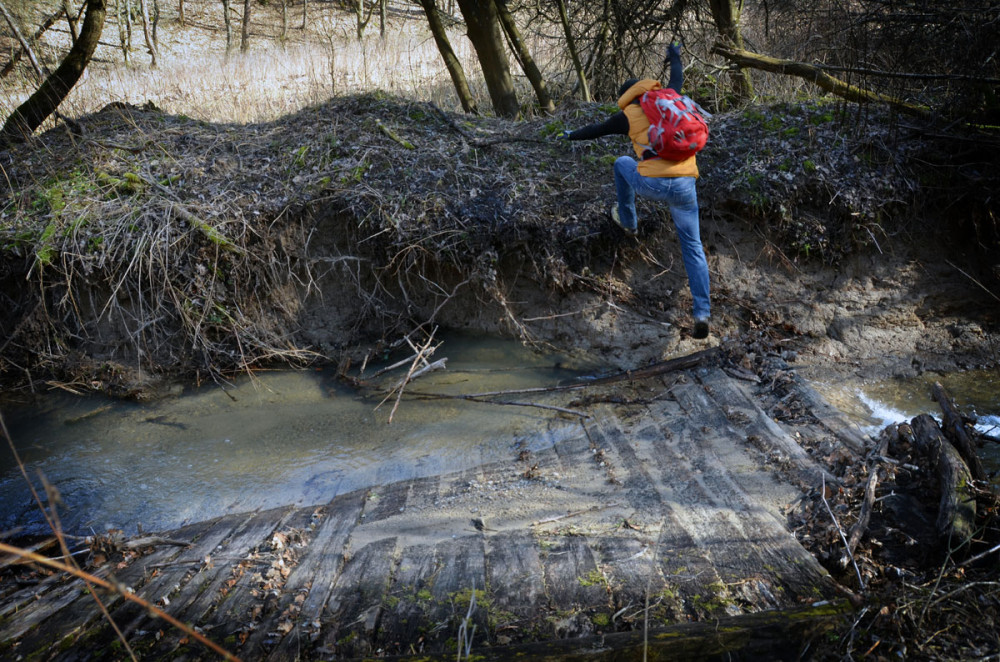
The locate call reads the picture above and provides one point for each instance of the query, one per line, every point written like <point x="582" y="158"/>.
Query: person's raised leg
<point x="684" y="210"/>
<point x="626" y="172"/>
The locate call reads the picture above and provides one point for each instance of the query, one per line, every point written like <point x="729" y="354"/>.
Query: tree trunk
<point x="25" y="46"/>
<point x="147" y="31"/>
<point x="726" y="14"/>
<point x="305" y="12"/>
<point x="30" y="114"/>
<point x="245" y="31"/>
<point x="524" y="58"/>
<point x="156" y="24"/>
<point x="486" y="36"/>
<point x="382" y="17"/>
<point x="284" y="21"/>
<point x="123" y="10"/>
<point x="70" y="20"/>
<point x="180" y="12"/>
<point x="362" y="22"/>
<point x="448" y="55"/>
<point x="229" y="27"/>
<point x="574" y="55"/>
<point x="46" y="24"/>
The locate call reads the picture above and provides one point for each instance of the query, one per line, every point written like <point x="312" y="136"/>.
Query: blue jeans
<point x="680" y="195"/>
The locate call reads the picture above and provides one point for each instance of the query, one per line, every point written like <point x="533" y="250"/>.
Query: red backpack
<point x="678" y="128"/>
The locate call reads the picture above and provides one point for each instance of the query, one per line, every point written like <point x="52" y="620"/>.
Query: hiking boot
<point x="614" y="217"/>
<point x="700" y="328"/>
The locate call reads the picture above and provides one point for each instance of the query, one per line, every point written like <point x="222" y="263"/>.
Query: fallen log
<point x="956" y="518"/>
<point x="954" y="430"/>
<point x="817" y="76"/>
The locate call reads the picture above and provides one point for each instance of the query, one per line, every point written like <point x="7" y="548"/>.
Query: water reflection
<point x="284" y="438"/>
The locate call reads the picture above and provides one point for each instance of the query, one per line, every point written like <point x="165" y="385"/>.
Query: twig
<point x="975" y="558"/>
<point x="393" y="135"/>
<point x="822" y="494"/>
<point x="983" y="287"/>
<point x="92" y="579"/>
<point x="406" y="380"/>
<point x="556" y="518"/>
<point x="866" y="506"/>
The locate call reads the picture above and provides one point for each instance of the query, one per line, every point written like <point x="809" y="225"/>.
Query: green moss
<point x="601" y="620"/>
<point x="45" y="249"/>
<point x="593" y="578"/>
<point x="464" y="597"/>
<point x="553" y="128"/>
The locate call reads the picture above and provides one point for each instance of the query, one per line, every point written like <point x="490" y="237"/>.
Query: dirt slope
<point x="158" y="245"/>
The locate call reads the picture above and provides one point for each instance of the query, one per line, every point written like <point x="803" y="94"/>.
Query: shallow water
<point x="875" y="405"/>
<point x="284" y="438"/>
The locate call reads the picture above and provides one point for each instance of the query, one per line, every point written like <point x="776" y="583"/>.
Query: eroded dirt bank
<point x="157" y="246"/>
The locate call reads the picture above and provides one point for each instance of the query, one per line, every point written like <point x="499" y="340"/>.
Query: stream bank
<point x="159" y="247"/>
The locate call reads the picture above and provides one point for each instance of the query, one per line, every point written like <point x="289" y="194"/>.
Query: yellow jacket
<point x="638" y="127"/>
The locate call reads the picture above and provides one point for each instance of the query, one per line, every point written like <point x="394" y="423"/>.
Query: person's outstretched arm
<point x="676" y="68"/>
<point x="617" y="124"/>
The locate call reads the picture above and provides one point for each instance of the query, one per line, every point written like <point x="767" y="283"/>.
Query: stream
<point x="284" y="437"/>
<point x="303" y="437"/>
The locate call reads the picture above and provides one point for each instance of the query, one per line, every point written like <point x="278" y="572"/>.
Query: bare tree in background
<point x="147" y="31"/>
<point x="180" y="13"/>
<point x="68" y="10"/>
<point x="581" y="75"/>
<point x="25" y="48"/>
<point x="229" y="26"/>
<point x="523" y="55"/>
<point x="362" y="20"/>
<point x="486" y="35"/>
<point x="726" y="14"/>
<point x="245" y="28"/>
<point x="30" y="114"/>
<point x="123" y="10"/>
<point x="284" y="21"/>
<point x="451" y="61"/>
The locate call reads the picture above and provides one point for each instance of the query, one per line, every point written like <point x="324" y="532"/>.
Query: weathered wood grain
<point x="665" y="506"/>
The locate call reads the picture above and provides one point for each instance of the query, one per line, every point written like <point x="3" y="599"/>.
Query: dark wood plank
<point x="304" y="594"/>
<point x="385" y="501"/>
<point x="404" y="622"/>
<point x="352" y="614"/>
<point x="634" y="579"/>
<point x="82" y="618"/>
<point x="576" y="589"/>
<point x="755" y="425"/>
<point x="516" y="582"/>
<point x="758" y="563"/>
<point x="248" y="545"/>
<point x="461" y="573"/>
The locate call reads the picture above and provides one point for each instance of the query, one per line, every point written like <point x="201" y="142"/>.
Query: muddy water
<point x="283" y="438"/>
<point x="877" y="404"/>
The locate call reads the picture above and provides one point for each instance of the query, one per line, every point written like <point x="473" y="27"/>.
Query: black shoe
<point x="700" y="328"/>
